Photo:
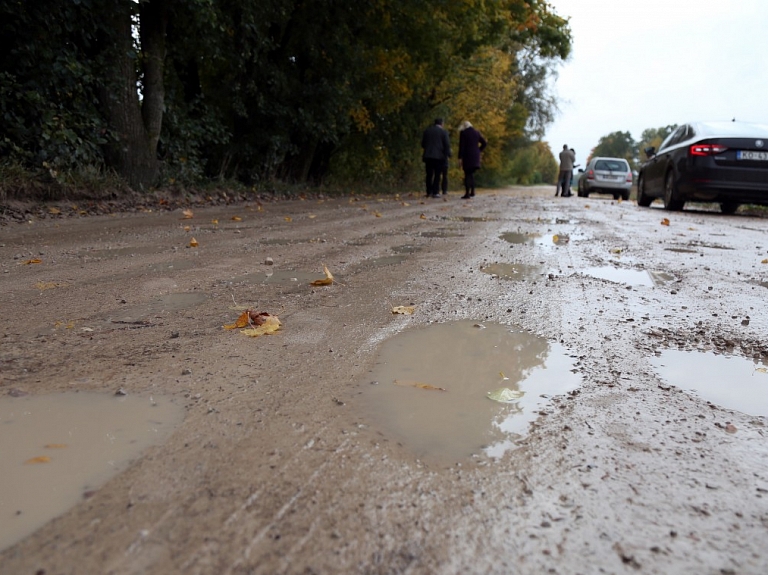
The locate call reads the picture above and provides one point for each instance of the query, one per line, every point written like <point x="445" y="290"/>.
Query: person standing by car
<point x="437" y="149"/>
<point x="471" y="143"/>
<point x="567" y="158"/>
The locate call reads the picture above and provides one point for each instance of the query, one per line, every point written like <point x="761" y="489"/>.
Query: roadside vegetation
<point x="105" y="98"/>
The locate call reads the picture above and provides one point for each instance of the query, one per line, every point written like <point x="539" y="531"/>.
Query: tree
<point x="654" y="137"/>
<point x="617" y="145"/>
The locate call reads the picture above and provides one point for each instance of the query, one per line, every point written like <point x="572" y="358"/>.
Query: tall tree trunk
<point x="136" y="125"/>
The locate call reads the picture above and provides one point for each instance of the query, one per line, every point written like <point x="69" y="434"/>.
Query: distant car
<point x="724" y="162"/>
<point x="606" y="176"/>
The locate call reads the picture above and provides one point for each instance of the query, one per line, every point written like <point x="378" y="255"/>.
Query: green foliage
<point x="617" y="145"/>
<point x="292" y="90"/>
<point x="654" y="137"/>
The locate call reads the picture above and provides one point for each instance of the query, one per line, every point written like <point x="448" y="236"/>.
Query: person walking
<point x="567" y="157"/>
<point x="471" y="143"/>
<point x="437" y="149"/>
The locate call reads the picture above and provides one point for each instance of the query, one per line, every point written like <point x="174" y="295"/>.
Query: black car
<point x="724" y="162"/>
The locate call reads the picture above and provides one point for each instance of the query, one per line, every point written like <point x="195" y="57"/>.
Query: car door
<point x="655" y="168"/>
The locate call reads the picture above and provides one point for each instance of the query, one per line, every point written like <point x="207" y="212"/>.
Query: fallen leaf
<point x="665" y="222"/>
<point x="405" y="383"/>
<point x="326" y="281"/>
<point x="404" y="309"/>
<point x="764" y="261"/>
<point x="311" y="216"/>
<point x="505" y="395"/>
<point x="193" y="243"/>
<point x="187" y="215"/>
<point x="423" y="217"/>
<point x="288" y="219"/>
<point x="405" y="204"/>
<point x="33" y="261"/>
<point x="269" y="325"/>
<point x="237" y="219"/>
<point x="762" y="369"/>
<point x="187" y="228"/>
<point x="40" y="459"/>
<point x="42" y="286"/>
<point x="215" y="222"/>
<point x="377" y="214"/>
<point x="249" y="318"/>
<point x="54" y="211"/>
<point x="616" y="250"/>
<point x="55" y="445"/>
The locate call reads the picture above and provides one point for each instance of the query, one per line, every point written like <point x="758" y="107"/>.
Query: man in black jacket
<point x="437" y="150"/>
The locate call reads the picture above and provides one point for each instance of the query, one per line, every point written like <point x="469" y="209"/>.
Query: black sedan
<point x="724" y="162"/>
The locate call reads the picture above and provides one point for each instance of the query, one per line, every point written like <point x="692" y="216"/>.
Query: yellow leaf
<point x="237" y="219"/>
<point x="404" y="309"/>
<point x="505" y="395"/>
<point x="406" y="383"/>
<point x="193" y="243"/>
<point x="616" y="250"/>
<point x="377" y="214"/>
<point x="555" y="238"/>
<point x="311" y="216"/>
<point x="288" y="219"/>
<point x="54" y="211"/>
<point x="215" y="222"/>
<point x="422" y="217"/>
<point x="326" y="281"/>
<point x="271" y="325"/>
<point x="665" y="222"/>
<point x="764" y="261"/>
<point x="187" y="215"/>
<point x="42" y="286"/>
<point x="33" y="261"/>
<point x="40" y="459"/>
<point x="187" y="228"/>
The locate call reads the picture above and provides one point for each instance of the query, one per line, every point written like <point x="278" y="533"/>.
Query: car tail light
<point x="591" y="175"/>
<point x="629" y="177"/>
<point x="707" y="149"/>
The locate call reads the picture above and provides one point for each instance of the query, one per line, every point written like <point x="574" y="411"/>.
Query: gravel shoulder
<point x="275" y="469"/>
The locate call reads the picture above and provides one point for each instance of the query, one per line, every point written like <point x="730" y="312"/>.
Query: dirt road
<point x="278" y="466"/>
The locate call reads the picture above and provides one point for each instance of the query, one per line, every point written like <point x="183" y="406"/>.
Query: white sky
<point x="640" y="64"/>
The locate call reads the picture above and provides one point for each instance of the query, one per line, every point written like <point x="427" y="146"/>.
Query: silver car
<point x="606" y="176"/>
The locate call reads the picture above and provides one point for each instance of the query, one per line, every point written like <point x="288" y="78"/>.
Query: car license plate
<point x="754" y="156"/>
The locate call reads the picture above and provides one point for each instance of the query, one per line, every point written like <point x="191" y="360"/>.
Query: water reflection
<point x="468" y="362"/>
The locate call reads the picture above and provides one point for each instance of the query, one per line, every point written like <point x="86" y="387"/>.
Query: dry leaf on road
<point x="406" y="383"/>
<point x="326" y="281"/>
<point x="404" y="309"/>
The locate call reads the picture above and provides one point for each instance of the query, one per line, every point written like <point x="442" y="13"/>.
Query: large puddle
<point x="730" y="382"/>
<point x="514" y="272"/>
<point x="631" y="277"/>
<point x="468" y="362"/>
<point x="57" y="449"/>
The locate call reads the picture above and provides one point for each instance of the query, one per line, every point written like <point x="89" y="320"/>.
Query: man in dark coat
<point x="437" y="150"/>
<point x="471" y="143"/>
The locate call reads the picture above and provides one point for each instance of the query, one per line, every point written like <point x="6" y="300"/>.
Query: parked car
<point x="606" y="176"/>
<point x="724" y="162"/>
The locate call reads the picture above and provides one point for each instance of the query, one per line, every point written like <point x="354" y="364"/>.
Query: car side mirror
<point x="581" y="171"/>
<point x="650" y="151"/>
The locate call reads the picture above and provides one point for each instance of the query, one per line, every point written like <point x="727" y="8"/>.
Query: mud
<point x="278" y="466"/>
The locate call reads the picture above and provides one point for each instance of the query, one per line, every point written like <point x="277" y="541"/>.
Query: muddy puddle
<point x="57" y="449"/>
<point x="164" y="304"/>
<point x="281" y="277"/>
<point x="514" y="272"/>
<point x="405" y="249"/>
<point x="727" y="381"/>
<point x="631" y="277"/>
<point x="468" y="362"/>
<point x="518" y="238"/>
<point x="441" y="234"/>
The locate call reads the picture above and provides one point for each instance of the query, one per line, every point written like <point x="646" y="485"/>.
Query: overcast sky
<point x="640" y="64"/>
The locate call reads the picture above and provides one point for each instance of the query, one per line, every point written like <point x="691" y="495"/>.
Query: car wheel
<point x="625" y="195"/>
<point x="616" y="196"/>
<point x="643" y="200"/>
<point x="729" y="207"/>
<point x="672" y="201"/>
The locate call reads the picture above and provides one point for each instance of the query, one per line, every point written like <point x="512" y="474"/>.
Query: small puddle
<point x="57" y="449"/>
<point x="281" y="277"/>
<point x="441" y="234"/>
<point x="730" y="382"/>
<point x="469" y="362"/>
<point x="381" y="261"/>
<point x="405" y="249"/>
<point x="518" y="238"/>
<point x="164" y="304"/>
<point x="682" y="250"/>
<point x="632" y="277"/>
<point x="515" y="272"/>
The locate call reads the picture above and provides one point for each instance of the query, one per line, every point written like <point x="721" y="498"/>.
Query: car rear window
<point x="612" y="165"/>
